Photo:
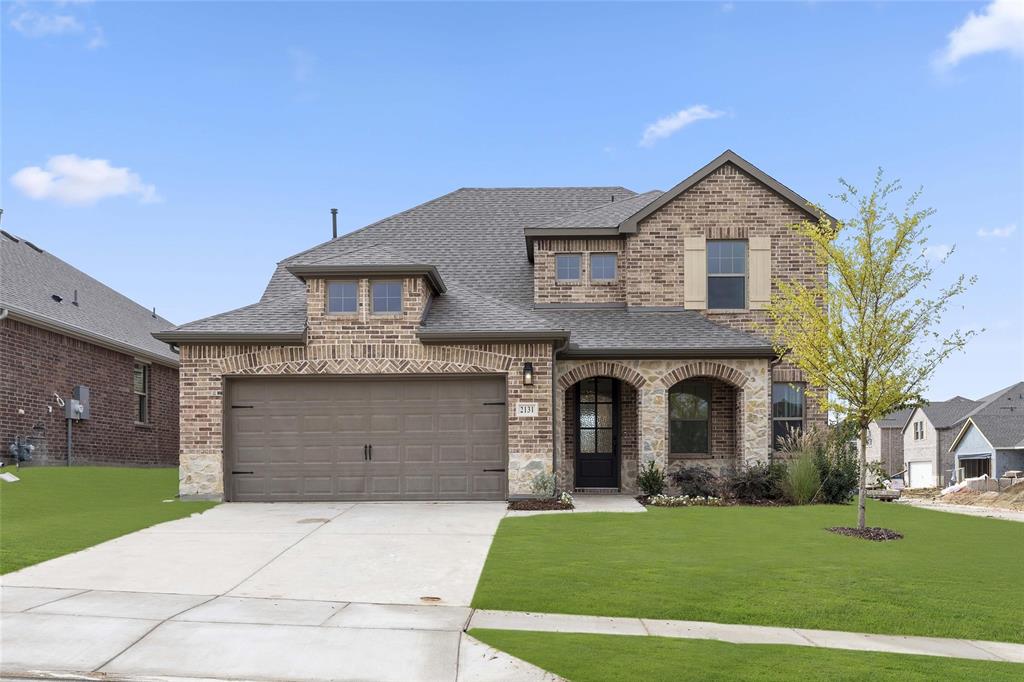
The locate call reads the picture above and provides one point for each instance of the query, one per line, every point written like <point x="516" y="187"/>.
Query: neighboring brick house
<point x="885" y="441"/>
<point x="60" y="328"/>
<point x="932" y="432"/>
<point x="459" y="348"/>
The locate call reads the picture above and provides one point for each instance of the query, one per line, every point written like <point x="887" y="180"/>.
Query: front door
<point x="597" y="416"/>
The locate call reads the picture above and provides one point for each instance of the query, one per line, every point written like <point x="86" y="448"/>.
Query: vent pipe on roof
<point x="154" y="311"/>
<point x="75" y="302"/>
<point x="334" y="222"/>
<point x="1" y="214"/>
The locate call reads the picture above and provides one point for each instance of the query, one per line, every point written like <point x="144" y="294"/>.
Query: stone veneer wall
<point x="358" y="345"/>
<point x="652" y="379"/>
<point x="547" y="289"/>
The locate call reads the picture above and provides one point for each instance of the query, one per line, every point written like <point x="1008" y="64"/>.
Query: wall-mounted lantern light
<point x="528" y="374"/>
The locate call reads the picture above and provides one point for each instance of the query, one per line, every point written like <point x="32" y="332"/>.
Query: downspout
<point x="555" y="350"/>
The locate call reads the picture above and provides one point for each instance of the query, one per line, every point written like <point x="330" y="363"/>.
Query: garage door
<point x="921" y="475"/>
<point x="365" y="439"/>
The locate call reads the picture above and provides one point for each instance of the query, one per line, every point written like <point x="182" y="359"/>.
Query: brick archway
<point x="704" y="368"/>
<point x="603" y="368"/>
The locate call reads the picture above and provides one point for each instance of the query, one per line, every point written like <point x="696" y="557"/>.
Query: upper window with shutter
<point x="727" y="274"/>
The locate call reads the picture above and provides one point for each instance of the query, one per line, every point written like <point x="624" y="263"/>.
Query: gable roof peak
<point x="629" y="225"/>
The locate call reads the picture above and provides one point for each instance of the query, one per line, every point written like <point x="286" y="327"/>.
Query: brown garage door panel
<point x="306" y="439"/>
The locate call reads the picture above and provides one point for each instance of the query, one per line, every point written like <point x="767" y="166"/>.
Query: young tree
<point x="870" y="333"/>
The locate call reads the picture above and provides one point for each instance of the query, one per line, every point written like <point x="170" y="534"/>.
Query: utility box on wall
<point x="78" y="407"/>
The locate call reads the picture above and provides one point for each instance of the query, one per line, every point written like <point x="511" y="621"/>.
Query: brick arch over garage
<point x="704" y="368"/>
<point x="401" y="360"/>
<point x="603" y="368"/>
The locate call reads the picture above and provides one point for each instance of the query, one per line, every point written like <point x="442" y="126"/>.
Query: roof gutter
<point x="52" y="325"/>
<point x="270" y="339"/>
<point x="314" y="270"/>
<point x="479" y="336"/>
<point x="534" y="233"/>
<point x="667" y="353"/>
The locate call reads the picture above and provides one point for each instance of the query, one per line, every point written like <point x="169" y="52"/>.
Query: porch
<point x="613" y="415"/>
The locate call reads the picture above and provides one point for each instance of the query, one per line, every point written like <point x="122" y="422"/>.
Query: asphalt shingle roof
<point x="950" y="412"/>
<point x="1002" y="431"/>
<point x="30" y="277"/>
<point x="895" y="420"/>
<point x="475" y="238"/>
<point x="605" y="215"/>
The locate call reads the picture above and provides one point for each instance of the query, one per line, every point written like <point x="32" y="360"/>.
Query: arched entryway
<point x="600" y="435"/>
<point x="704" y="421"/>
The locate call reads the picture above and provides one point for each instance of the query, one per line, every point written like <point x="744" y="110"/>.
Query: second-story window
<point x="387" y="297"/>
<point x="602" y="267"/>
<point x="567" y="267"/>
<point x="342" y="297"/>
<point x="727" y="274"/>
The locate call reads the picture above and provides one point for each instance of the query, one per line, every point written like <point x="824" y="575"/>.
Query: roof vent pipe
<point x="334" y="222"/>
<point x="75" y="302"/>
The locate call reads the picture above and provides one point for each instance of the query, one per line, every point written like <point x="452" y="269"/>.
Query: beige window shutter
<point x="695" y="273"/>
<point x="760" y="279"/>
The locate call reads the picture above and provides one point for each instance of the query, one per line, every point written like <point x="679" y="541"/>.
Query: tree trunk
<point x="862" y="488"/>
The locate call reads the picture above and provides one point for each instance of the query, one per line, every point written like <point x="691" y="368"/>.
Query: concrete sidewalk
<point x="968" y="510"/>
<point x="749" y="634"/>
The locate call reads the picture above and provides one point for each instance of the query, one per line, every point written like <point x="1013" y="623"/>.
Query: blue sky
<point x="176" y="151"/>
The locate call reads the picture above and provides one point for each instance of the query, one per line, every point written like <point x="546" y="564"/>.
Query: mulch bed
<point x="538" y="505"/>
<point x="869" y="533"/>
<point x="725" y="502"/>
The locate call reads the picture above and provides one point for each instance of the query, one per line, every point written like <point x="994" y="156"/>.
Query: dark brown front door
<point x="597" y="416"/>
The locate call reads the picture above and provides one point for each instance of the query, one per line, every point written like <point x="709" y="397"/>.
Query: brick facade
<point x="36" y="363"/>
<point x="547" y="288"/>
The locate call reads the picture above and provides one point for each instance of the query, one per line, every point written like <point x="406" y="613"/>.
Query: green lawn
<point x="610" y="658"/>
<point x="56" y="510"/>
<point x="950" y="577"/>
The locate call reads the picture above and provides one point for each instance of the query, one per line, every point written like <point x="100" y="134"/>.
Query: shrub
<point x="801" y="482"/>
<point x="837" y="470"/>
<point x="543" y="484"/>
<point x="651" y="479"/>
<point x="754" y="483"/>
<point x="696" y="481"/>
<point x="683" y="501"/>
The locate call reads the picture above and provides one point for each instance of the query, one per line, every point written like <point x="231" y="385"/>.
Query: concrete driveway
<point x="367" y="591"/>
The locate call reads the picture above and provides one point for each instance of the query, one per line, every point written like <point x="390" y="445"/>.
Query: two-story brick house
<point x="459" y="348"/>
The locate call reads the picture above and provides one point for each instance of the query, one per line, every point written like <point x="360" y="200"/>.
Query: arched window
<point x="689" y="409"/>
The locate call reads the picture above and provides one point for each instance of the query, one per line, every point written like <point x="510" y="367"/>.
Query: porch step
<point x="596" y="491"/>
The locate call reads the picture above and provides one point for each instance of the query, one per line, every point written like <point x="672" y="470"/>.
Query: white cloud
<point x="302" y="63"/>
<point x="999" y="27"/>
<point x="997" y="232"/>
<point x="70" y="179"/>
<point x="670" y="125"/>
<point x="938" y="252"/>
<point x="60" y="18"/>
<point x="35" y="24"/>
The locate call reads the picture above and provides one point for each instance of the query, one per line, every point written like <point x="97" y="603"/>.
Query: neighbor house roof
<point x="946" y="413"/>
<point x="40" y="289"/>
<point x="1003" y="432"/>
<point x="473" y="237"/>
<point x="895" y="420"/>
